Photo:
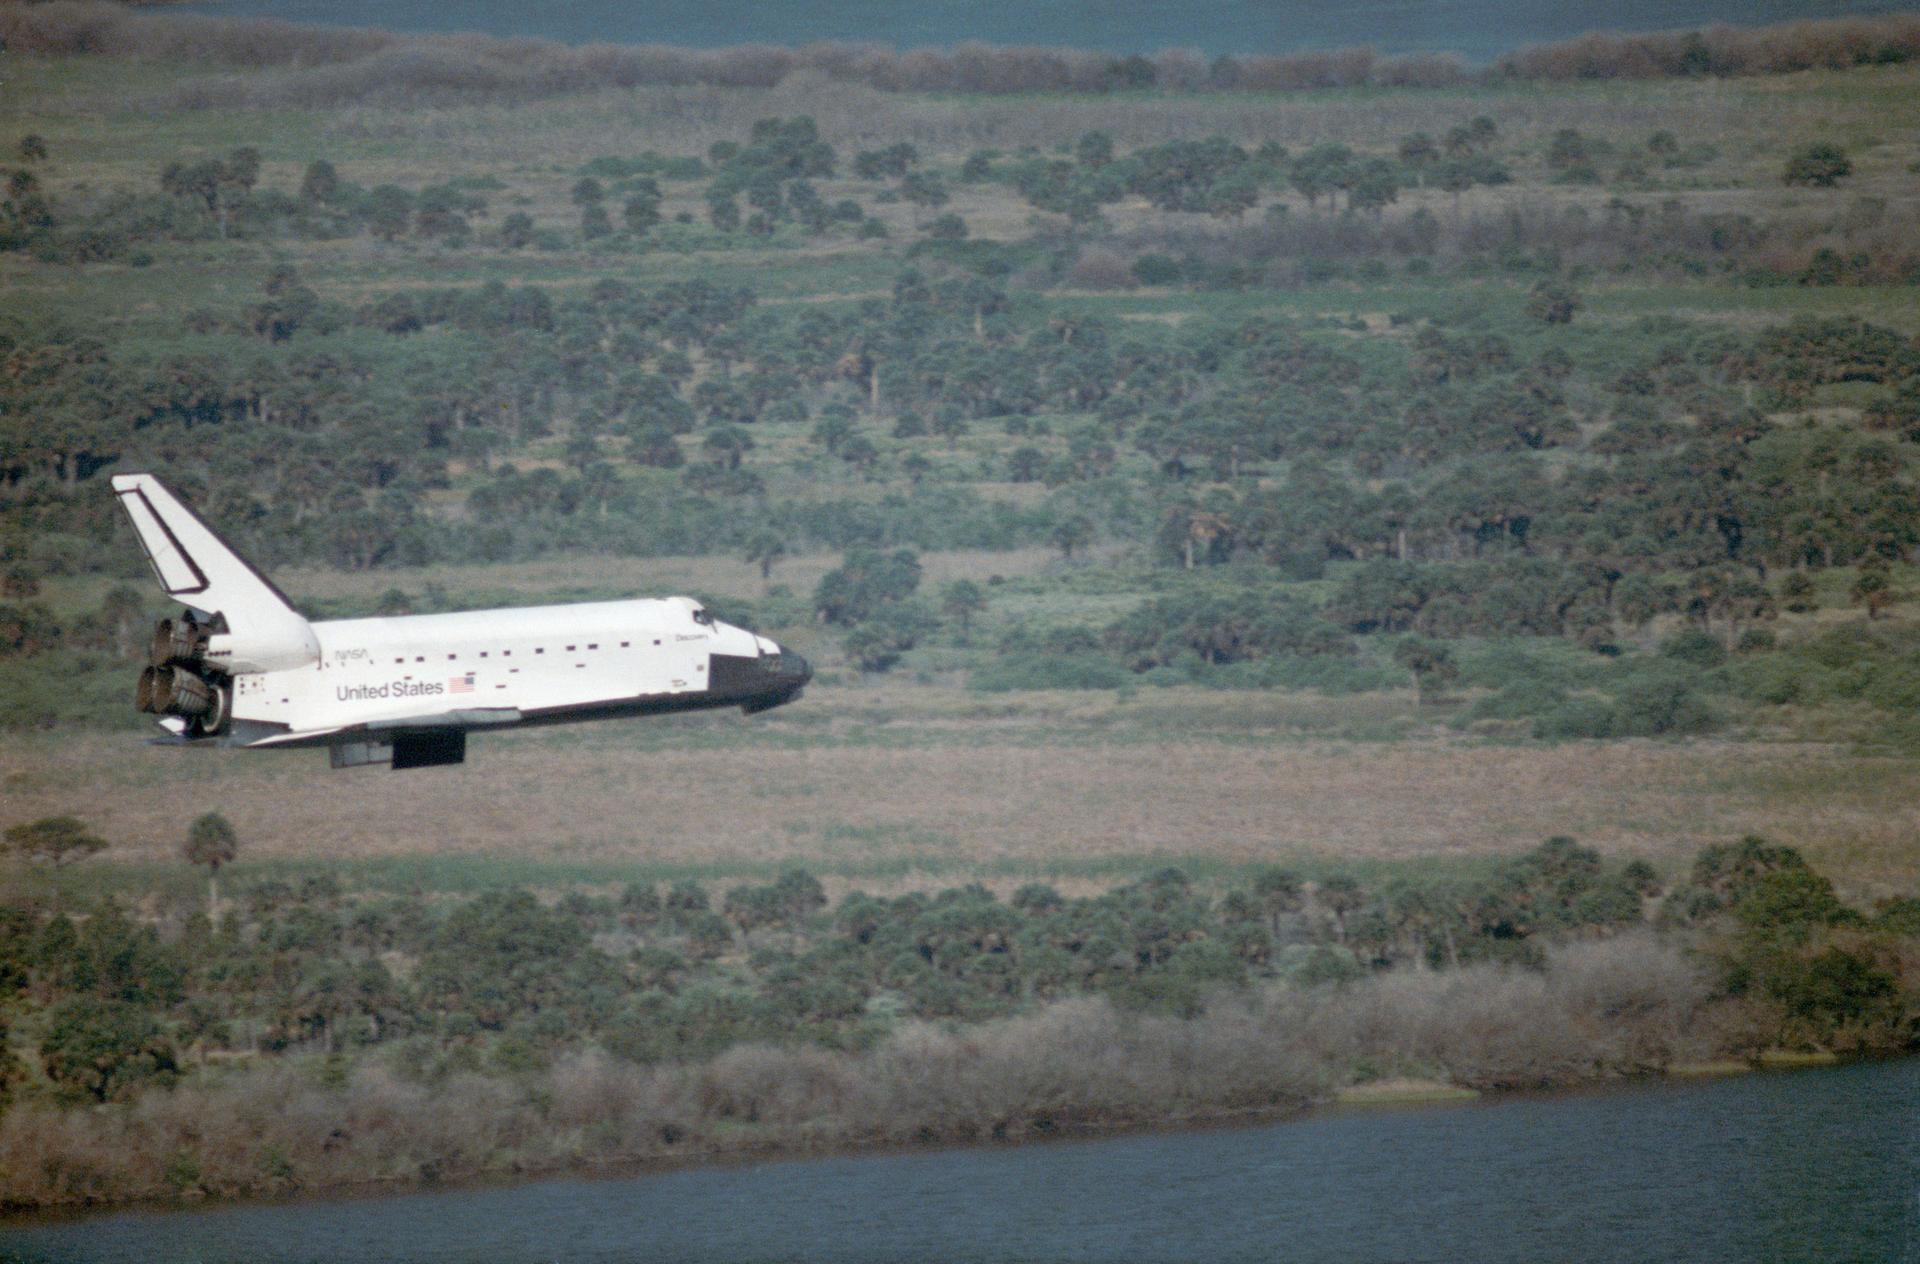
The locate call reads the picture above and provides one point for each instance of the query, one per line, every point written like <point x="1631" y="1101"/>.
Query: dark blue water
<point x="1477" y="29"/>
<point x="1813" y="1165"/>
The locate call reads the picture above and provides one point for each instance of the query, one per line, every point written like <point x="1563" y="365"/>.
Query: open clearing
<point x="973" y="801"/>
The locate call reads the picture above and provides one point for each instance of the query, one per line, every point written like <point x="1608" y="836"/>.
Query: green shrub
<point x="1526" y="700"/>
<point x="1579" y="717"/>
<point x="1660" y="702"/>
<point x="1223" y="627"/>
<point x="1693" y="647"/>
<point x="1775" y="680"/>
<point x="1835" y="990"/>
<point x="1157" y="270"/>
<point x="104" y="1050"/>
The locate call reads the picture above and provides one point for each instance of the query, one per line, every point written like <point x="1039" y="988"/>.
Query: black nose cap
<point x="795" y="668"/>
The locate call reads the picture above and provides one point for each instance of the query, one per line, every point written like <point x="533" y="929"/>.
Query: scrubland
<point x="1068" y="1068"/>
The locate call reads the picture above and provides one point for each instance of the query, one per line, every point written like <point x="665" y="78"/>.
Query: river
<point x="1807" y="1165"/>
<point x="1477" y="29"/>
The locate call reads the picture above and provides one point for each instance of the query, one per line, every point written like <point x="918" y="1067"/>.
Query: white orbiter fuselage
<point x="242" y="668"/>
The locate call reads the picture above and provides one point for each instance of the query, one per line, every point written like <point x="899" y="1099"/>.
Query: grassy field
<point x="111" y="124"/>
<point x="899" y="786"/>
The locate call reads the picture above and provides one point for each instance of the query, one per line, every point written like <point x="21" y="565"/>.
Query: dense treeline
<point x="1332" y="502"/>
<point x="329" y="66"/>
<point x="109" y="1005"/>
<point x="1423" y="444"/>
<point x="1474" y="475"/>
<point x="1205" y="190"/>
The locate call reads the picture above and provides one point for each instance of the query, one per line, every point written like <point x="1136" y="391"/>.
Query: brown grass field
<point x="991" y="791"/>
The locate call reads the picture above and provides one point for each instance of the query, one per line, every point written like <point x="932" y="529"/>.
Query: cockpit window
<point x="702" y="618"/>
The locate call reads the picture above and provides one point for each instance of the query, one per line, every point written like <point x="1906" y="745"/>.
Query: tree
<point x="1025" y="464"/>
<point x="1431" y="663"/>
<point x="641" y="210"/>
<point x="1569" y="149"/>
<point x="441" y="215"/>
<point x="1820" y="165"/>
<point x="1072" y="533"/>
<point x="388" y="211"/>
<point x="57" y="839"/>
<point x="925" y="189"/>
<point x="516" y="231"/>
<point x="1553" y="303"/>
<point x="1459" y="174"/>
<point x="212" y="842"/>
<point x="1417" y="153"/>
<point x="722" y="211"/>
<point x="1787" y="902"/>
<point x="834" y="428"/>
<point x="961" y="600"/>
<point x="860" y="453"/>
<point x="11" y="1070"/>
<point x="1873" y="586"/>
<point x="103" y="1049"/>
<point x="948" y="227"/>
<point x="1320" y="171"/>
<point x="1341" y="896"/>
<point x="1093" y="149"/>
<point x="19" y="580"/>
<point x="766" y="550"/>
<point x="1374" y="186"/>
<point x="1797" y="592"/>
<point x="33" y="147"/>
<point x="320" y="183"/>
<point x="877" y="164"/>
<point x="655" y="446"/>
<point x="865" y="581"/>
<point x="877" y="643"/>
<point x="217" y="183"/>
<point x="1638" y="599"/>
<point x="1279" y="891"/>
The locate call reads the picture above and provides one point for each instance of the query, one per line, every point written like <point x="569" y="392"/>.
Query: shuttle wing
<point x="413" y="741"/>
<point x="386" y="730"/>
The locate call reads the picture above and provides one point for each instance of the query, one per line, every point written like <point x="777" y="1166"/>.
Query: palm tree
<point x="1340" y="895"/>
<point x="1279" y="891"/>
<point x="961" y="600"/>
<point x="1074" y="533"/>
<point x="767" y="548"/>
<point x="212" y="842"/>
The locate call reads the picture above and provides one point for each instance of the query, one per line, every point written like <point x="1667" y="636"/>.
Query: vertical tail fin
<point x="194" y="564"/>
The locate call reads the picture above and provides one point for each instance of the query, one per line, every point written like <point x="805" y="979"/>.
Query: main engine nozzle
<point x="177" y="691"/>
<point x="177" y="641"/>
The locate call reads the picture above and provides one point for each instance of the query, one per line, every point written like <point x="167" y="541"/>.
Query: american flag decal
<point x="460" y="684"/>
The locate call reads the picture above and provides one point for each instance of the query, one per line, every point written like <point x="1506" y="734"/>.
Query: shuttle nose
<point x="795" y="668"/>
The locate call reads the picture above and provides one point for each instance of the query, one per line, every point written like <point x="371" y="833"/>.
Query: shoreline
<point x="1392" y="1094"/>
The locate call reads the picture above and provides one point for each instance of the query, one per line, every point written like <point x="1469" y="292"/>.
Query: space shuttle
<point x="241" y="667"/>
